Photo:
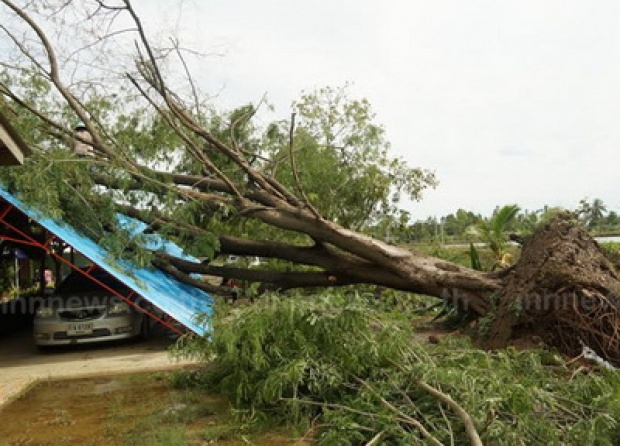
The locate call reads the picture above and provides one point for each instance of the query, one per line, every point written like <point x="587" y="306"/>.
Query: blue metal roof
<point x="181" y="301"/>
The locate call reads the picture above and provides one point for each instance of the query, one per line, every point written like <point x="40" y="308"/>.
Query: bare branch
<point x="190" y="79"/>
<point x="291" y="136"/>
<point x="470" y="428"/>
<point x="194" y="149"/>
<point x="402" y="415"/>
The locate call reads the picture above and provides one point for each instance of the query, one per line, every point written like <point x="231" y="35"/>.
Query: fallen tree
<point x="562" y="288"/>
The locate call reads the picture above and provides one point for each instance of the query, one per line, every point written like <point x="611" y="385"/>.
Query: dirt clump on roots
<point x="562" y="290"/>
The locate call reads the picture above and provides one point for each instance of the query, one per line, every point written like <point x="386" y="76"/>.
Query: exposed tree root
<point x="591" y="319"/>
<point x="564" y="290"/>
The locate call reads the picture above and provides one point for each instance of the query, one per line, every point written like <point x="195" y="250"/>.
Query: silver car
<point x="82" y="311"/>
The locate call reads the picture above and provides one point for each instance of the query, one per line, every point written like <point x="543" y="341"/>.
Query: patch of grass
<point x="219" y="432"/>
<point x="174" y="436"/>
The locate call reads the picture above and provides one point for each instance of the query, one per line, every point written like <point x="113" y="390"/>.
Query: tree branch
<point x="402" y="416"/>
<point x="300" y="188"/>
<point x="470" y="428"/>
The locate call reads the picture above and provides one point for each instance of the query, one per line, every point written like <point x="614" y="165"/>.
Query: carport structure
<point x="23" y="225"/>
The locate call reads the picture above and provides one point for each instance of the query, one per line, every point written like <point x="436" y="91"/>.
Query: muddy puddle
<point x="125" y="410"/>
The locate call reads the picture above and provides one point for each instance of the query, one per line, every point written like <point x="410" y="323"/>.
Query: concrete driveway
<point x="22" y="365"/>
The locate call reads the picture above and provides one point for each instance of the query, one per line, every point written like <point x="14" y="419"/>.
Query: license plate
<point x="81" y="328"/>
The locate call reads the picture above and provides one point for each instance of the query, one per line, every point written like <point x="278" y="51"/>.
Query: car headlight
<point x="44" y="312"/>
<point x="118" y="307"/>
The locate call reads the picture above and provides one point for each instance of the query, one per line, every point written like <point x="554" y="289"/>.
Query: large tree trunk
<point x="563" y="289"/>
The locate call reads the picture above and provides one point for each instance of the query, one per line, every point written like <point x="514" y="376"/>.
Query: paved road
<point x="22" y="365"/>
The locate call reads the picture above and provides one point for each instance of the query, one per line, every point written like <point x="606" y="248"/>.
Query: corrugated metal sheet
<point x="181" y="301"/>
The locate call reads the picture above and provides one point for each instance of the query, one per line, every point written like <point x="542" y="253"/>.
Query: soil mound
<point x="564" y="290"/>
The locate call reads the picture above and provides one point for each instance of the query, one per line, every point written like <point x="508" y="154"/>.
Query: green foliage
<point x="591" y="213"/>
<point x="457" y="223"/>
<point x="343" y="160"/>
<point x="343" y="360"/>
<point x="492" y="231"/>
<point x="521" y="402"/>
<point x="7" y="277"/>
<point x="612" y="252"/>
<point x="484" y="325"/>
<point x="219" y="433"/>
<point x="60" y="185"/>
<point x="171" y="437"/>
<point x="457" y="227"/>
<point x="293" y="348"/>
<point x="474" y="257"/>
<point x="401" y="303"/>
<point x="611" y="222"/>
<point x="341" y="153"/>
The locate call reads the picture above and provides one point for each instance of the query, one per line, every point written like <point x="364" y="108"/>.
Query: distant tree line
<point x="460" y="225"/>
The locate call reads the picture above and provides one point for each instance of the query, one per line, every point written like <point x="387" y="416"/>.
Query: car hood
<point x="80" y="301"/>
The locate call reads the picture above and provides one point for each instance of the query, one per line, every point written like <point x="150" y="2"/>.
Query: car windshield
<point x="77" y="282"/>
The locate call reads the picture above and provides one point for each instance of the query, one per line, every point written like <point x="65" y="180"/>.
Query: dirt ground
<point x="22" y="365"/>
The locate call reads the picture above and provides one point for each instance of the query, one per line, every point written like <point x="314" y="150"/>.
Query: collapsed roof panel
<point x="181" y="301"/>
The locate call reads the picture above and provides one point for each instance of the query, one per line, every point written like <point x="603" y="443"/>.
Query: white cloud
<point x="458" y="84"/>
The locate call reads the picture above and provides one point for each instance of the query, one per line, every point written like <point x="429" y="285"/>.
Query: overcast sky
<point x="507" y="101"/>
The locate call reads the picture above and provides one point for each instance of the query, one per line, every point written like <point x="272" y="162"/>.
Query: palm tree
<point x="597" y="211"/>
<point x="492" y="231"/>
<point x="591" y="213"/>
